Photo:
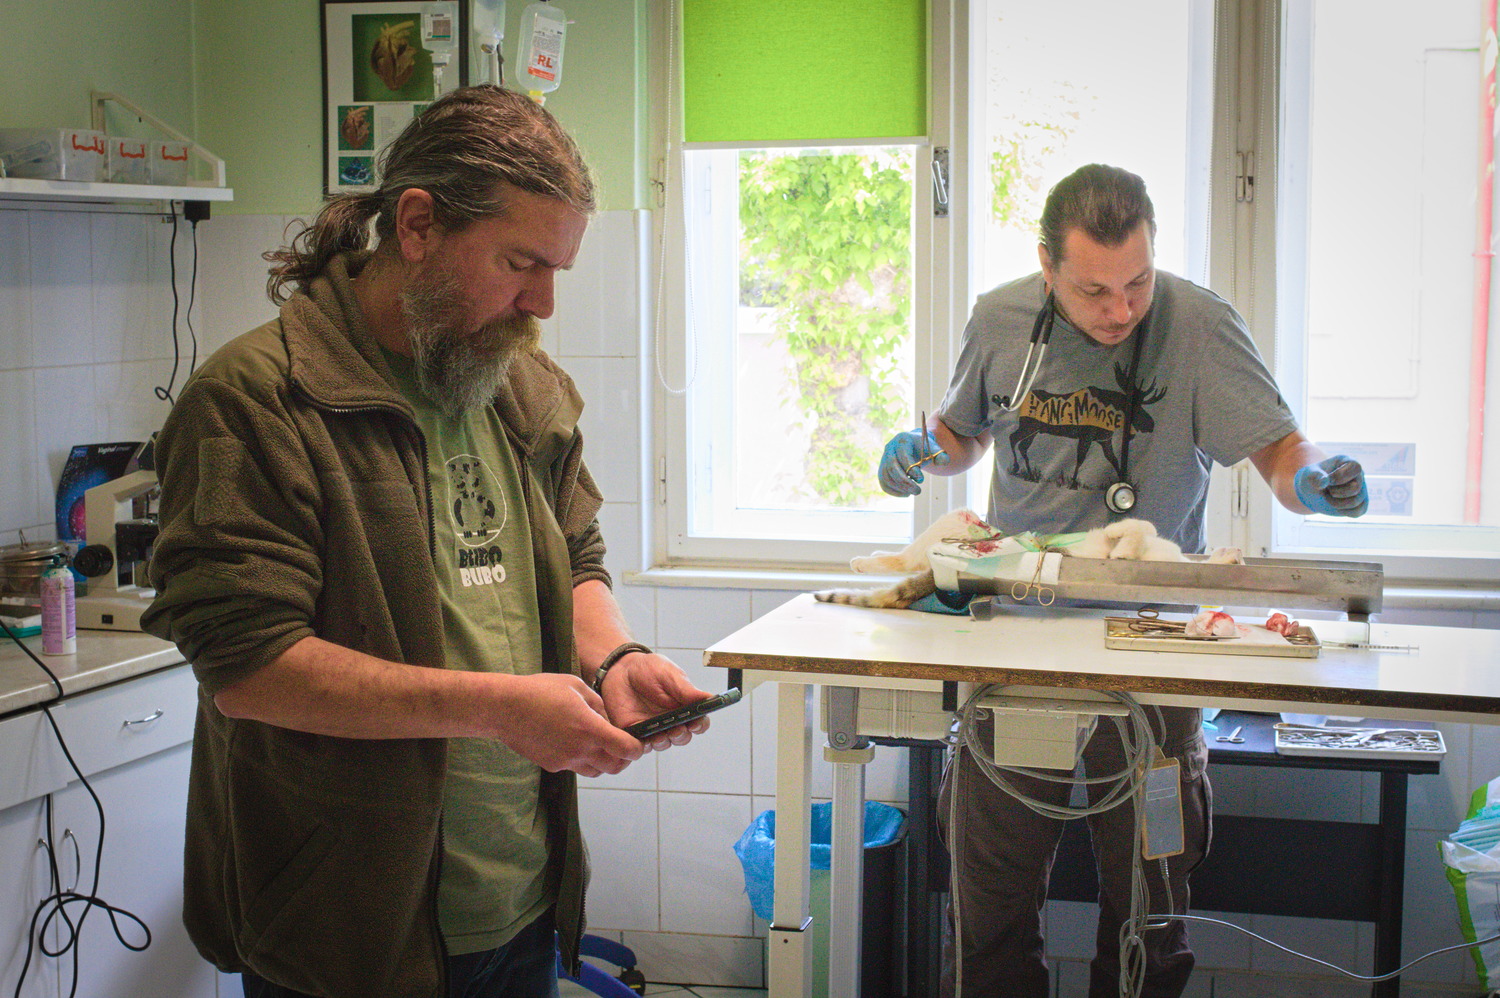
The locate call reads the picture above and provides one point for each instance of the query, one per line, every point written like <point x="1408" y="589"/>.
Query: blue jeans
<point x="525" y="967"/>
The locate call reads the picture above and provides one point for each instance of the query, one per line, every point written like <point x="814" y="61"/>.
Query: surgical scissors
<point x="1234" y="737"/>
<point x="925" y="455"/>
<point x="1041" y="332"/>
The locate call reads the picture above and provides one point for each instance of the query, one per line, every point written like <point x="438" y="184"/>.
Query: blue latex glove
<point x="1334" y="486"/>
<point x="901" y="452"/>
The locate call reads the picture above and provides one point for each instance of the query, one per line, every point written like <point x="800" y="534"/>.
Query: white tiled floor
<point x="570" y="990"/>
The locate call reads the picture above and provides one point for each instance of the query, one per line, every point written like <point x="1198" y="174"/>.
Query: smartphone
<point x="682" y="715"/>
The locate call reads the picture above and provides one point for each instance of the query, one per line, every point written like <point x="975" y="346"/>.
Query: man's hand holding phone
<point x="643" y="685"/>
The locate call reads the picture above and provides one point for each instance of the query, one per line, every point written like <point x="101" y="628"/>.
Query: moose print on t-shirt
<point x="1089" y="415"/>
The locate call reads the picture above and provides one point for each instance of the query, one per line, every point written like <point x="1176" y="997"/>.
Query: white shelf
<point x="77" y="190"/>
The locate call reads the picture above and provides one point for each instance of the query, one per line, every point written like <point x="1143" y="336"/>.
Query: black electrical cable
<point x="55" y="905"/>
<point x="192" y="296"/>
<point x="165" y="394"/>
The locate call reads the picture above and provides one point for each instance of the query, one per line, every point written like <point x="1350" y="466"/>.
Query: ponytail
<point x="341" y="226"/>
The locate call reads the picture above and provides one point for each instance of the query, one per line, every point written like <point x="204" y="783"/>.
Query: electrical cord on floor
<point x="55" y="905"/>
<point x="1370" y="979"/>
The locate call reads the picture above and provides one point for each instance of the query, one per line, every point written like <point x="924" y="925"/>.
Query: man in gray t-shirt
<point x="1147" y="380"/>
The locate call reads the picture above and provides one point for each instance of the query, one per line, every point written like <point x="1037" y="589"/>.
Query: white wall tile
<point x="763" y="601"/>
<point x="702" y="883"/>
<point x="620" y="827"/>
<point x="1320" y="795"/>
<point x="697" y="618"/>
<point x="1431" y="915"/>
<point x="1335" y="942"/>
<point x="15" y="291"/>
<point x="1440" y="801"/>
<point x="621" y="524"/>
<point x="126" y="396"/>
<point x="611" y="423"/>
<point x="62" y="312"/>
<point x="1217" y="946"/>
<point x="1428" y="618"/>
<point x="124" y="325"/>
<point x="21" y="487"/>
<point x="717" y="761"/>
<point x="232" y="275"/>
<point x="62" y="422"/>
<point x="1484" y="756"/>
<point x="638" y="603"/>
<point x="599" y="300"/>
<point x="683" y="958"/>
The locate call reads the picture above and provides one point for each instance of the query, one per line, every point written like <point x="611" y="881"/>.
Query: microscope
<point x="114" y="560"/>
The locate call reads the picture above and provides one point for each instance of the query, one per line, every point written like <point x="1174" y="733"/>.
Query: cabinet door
<point x="24" y="882"/>
<point x="145" y="806"/>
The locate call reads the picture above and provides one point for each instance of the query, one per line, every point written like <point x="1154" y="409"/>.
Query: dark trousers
<point x="525" y="967"/>
<point x="1004" y="853"/>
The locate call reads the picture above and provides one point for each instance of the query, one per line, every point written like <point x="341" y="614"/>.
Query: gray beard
<point x="457" y="370"/>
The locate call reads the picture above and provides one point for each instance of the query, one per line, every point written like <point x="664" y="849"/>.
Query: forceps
<point x="925" y="455"/>
<point x="1044" y="596"/>
<point x="1233" y="737"/>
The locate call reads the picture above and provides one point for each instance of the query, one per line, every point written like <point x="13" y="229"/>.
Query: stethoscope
<point x="1121" y="496"/>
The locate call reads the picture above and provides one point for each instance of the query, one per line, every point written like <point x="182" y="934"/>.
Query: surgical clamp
<point x="1234" y="737"/>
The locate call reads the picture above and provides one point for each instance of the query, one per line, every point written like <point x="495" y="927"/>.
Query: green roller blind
<point x="795" y="70"/>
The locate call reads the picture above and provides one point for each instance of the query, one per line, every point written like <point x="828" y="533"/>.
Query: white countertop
<point x="103" y="657"/>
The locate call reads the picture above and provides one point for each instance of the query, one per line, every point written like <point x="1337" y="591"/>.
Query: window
<point x="803" y="280"/>
<point x="1315" y="163"/>
<point x="1385" y="249"/>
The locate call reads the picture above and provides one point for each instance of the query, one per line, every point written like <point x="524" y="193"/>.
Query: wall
<point x="259" y="84"/>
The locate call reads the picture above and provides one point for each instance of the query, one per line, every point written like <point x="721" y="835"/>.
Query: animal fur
<point x="1131" y="540"/>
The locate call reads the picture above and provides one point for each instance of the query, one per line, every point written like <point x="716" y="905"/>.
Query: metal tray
<point x="1258" y="641"/>
<point x="1289" y="583"/>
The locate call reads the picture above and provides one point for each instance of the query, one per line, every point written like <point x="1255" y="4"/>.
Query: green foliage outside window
<point x="826" y="243"/>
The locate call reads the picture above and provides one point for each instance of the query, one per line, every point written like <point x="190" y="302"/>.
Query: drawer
<point x="31" y="764"/>
<point x="130" y="720"/>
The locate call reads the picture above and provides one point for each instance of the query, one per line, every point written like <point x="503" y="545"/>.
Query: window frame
<point x="1250" y="39"/>
<point x="669" y="541"/>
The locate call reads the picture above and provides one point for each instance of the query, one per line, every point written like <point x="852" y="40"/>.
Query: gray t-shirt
<point x="1204" y="396"/>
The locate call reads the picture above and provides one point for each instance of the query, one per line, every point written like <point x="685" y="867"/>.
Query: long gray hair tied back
<point x="467" y="150"/>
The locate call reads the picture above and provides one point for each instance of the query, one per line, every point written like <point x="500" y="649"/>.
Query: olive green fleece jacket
<point x="295" y="503"/>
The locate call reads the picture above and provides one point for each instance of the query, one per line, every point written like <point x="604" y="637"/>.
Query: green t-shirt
<point x="495" y="871"/>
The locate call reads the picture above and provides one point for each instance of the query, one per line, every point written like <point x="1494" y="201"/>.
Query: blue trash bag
<point x="756" y="848"/>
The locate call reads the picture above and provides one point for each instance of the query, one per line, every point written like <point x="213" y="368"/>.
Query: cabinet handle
<point x="68" y="836"/>
<point x="150" y="718"/>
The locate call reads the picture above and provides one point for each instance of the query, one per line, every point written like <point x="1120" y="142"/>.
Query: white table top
<point x="102" y="657"/>
<point x="1454" y="672"/>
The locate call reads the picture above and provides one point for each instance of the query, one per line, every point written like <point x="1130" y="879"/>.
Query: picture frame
<point x="383" y="62"/>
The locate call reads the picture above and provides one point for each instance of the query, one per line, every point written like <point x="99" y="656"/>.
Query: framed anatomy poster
<point x="383" y="62"/>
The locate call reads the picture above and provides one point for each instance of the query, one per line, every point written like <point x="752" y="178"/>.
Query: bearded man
<point x="379" y="551"/>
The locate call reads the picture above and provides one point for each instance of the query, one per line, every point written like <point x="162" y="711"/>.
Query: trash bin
<point x="885" y="831"/>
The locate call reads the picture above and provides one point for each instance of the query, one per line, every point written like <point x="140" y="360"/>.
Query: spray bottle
<point x="539" y="61"/>
<point x="59" y="623"/>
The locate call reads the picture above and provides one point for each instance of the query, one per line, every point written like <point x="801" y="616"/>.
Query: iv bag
<point x="539" y="61"/>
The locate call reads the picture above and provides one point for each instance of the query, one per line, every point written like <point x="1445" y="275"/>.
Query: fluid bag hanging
<point x="539" y="63"/>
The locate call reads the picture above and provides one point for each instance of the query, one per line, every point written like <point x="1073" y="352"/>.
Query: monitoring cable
<point x="1136" y="736"/>
<point x="54" y="906"/>
<point x="1127" y="783"/>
